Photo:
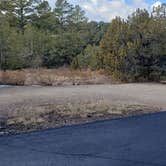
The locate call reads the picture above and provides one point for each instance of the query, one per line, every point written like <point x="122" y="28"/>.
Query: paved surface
<point x="136" y="141"/>
<point x="17" y="97"/>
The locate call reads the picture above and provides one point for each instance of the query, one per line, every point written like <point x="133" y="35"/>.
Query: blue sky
<point x="105" y="10"/>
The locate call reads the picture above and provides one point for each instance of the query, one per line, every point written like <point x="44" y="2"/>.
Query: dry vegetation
<point x="23" y="115"/>
<point x="51" y="115"/>
<point x="53" y="77"/>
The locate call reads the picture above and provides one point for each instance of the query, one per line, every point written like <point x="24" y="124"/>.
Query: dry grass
<point x="53" y="77"/>
<point x="51" y="115"/>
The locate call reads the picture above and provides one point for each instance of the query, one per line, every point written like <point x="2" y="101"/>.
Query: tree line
<point x="34" y="35"/>
<point x="135" y="49"/>
<point x="132" y="49"/>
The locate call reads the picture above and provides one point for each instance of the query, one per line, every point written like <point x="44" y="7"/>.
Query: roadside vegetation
<point x="54" y="77"/>
<point x="25" y="119"/>
<point x="32" y="35"/>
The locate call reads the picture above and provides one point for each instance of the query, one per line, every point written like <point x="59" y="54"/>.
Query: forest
<point x="34" y="35"/>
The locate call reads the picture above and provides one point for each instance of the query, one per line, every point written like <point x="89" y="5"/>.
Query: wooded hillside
<point x="34" y="35"/>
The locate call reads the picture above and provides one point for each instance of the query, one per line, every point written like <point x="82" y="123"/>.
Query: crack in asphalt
<point x="83" y="155"/>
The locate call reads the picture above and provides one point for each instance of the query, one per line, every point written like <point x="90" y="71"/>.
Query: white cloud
<point x="106" y="10"/>
<point x="156" y="4"/>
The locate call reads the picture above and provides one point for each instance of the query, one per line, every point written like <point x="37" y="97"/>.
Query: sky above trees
<point x="106" y="10"/>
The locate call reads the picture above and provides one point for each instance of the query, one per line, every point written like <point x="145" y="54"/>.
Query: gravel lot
<point x="148" y="94"/>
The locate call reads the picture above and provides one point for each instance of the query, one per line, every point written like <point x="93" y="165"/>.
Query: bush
<point x="89" y="58"/>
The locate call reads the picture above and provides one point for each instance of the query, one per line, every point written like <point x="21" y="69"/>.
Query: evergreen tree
<point x="63" y="12"/>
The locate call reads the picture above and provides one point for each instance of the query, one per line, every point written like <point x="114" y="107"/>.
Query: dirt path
<point x="149" y="94"/>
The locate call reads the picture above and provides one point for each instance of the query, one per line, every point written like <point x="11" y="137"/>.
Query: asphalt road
<point x="133" y="141"/>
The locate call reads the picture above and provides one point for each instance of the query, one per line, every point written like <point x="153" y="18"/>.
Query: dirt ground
<point x="23" y="105"/>
<point x="151" y="94"/>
